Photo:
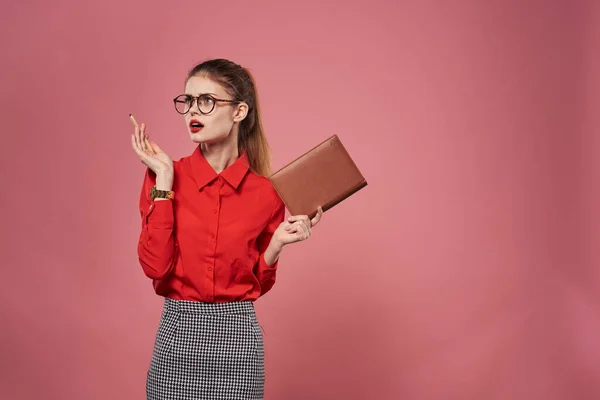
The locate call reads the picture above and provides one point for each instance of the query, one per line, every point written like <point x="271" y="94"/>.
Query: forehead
<point x="201" y="84"/>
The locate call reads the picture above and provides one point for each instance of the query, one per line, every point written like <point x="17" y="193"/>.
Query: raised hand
<point x="149" y="153"/>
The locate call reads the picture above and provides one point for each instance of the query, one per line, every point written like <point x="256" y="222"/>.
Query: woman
<point x="212" y="231"/>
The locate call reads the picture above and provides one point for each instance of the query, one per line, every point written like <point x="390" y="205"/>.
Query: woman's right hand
<point x="150" y="154"/>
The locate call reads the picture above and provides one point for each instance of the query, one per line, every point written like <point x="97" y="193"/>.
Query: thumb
<point x="155" y="147"/>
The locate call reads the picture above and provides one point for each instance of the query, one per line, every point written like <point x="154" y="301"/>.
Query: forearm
<point x="272" y="253"/>
<point x="267" y="265"/>
<point x="157" y="259"/>
<point x="157" y="245"/>
<point x="270" y="247"/>
<point x="157" y="248"/>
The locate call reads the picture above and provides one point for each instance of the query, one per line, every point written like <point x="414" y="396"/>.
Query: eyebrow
<point x="214" y="94"/>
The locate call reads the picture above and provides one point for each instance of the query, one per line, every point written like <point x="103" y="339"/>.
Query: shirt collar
<point x="204" y="173"/>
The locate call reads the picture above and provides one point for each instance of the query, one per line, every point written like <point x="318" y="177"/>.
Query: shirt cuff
<point x="160" y="214"/>
<point x="262" y="264"/>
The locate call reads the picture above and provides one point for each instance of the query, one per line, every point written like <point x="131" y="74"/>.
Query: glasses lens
<point x="182" y="104"/>
<point x="206" y="104"/>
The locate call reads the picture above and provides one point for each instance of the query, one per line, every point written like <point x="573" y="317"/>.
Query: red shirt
<point x="208" y="243"/>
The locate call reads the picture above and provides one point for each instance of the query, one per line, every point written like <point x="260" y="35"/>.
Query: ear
<point x="241" y="111"/>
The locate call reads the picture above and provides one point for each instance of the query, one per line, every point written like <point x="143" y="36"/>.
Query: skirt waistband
<point x="196" y="307"/>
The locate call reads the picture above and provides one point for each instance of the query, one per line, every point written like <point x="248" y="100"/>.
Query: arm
<point x="269" y="249"/>
<point x="157" y="248"/>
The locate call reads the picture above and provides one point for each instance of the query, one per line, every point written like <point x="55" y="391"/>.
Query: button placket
<point x="214" y="224"/>
<point x="215" y="229"/>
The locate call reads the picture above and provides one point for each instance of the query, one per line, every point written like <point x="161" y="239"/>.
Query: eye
<point x="206" y="100"/>
<point x="183" y="99"/>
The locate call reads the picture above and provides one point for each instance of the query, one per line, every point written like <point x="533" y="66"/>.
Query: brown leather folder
<point x="324" y="176"/>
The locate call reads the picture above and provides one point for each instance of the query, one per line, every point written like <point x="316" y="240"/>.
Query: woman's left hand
<point x="296" y="228"/>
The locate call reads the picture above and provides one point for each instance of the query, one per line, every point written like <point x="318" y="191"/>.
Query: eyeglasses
<point x="205" y="102"/>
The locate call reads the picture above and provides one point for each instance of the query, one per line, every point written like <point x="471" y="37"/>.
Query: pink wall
<point x="464" y="271"/>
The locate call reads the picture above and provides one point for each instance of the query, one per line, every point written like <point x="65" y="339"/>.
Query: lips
<point x="196" y="126"/>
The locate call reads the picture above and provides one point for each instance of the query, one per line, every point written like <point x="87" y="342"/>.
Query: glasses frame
<point x="196" y="99"/>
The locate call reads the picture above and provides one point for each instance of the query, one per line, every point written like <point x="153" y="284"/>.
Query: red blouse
<point x="208" y="243"/>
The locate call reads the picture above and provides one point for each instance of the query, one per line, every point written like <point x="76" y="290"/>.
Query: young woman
<point x="213" y="228"/>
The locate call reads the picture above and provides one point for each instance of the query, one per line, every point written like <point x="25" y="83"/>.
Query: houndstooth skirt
<point x="207" y="351"/>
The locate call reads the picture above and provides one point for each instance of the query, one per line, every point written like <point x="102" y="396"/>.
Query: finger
<point x="295" y="218"/>
<point x="133" y="145"/>
<point x="155" y="147"/>
<point x="133" y="120"/>
<point x="135" y="141"/>
<point x="317" y="217"/>
<point x="292" y="228"/>
<point x="144" y="157"/>
<point x="136" y="146"/>
<point x="305" y="223"/>
<point x="302" y="224"/>
<point x="307" y="228"/>
<point x="144" y="140"/>
<point x="143" y="137"/>
<point x="135" y="133"/>
<point x="305" y="232"/>
<point x="148" y="145"/>
<point x="302" y="230"/>
<point x="298" y="232"/>
<point x="138" y="138"/>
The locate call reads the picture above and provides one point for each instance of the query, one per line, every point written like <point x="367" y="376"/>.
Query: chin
<point x="197" y="138"/>
<point x="201" y="137"/>
<point x="204" y="137"/>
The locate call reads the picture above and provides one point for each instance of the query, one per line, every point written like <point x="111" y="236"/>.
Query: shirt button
<point x="210" y="268"/>
<point x="214" y="210"/>
<point x="212" y="235"/>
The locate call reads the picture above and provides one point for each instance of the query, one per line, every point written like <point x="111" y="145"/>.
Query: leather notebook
<point x="324" y="176"/>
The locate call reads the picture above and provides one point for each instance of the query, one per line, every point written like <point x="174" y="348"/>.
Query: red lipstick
<point x="196" y="126"/>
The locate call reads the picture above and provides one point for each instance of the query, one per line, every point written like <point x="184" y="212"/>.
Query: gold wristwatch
<point x="161" y="194"/>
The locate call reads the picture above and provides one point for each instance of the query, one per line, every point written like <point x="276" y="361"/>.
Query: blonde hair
<point x="241" y="86"/>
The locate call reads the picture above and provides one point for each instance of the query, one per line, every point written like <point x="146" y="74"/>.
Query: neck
<point x="220" y="155"/>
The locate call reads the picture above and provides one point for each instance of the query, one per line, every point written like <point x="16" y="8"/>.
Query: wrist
<point x="276" y="245"/>
<point x="164" y="180"/>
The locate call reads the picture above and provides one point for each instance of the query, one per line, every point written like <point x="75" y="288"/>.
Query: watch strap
<point x="161" y="194"/>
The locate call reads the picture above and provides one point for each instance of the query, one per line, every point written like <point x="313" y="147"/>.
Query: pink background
<point x="467" y="269"/>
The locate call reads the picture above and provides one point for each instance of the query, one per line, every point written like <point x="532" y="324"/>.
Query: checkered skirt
<point x="207" y="351"/>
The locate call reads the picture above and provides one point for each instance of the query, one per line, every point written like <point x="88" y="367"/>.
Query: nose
<point x="194" y="109"/>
